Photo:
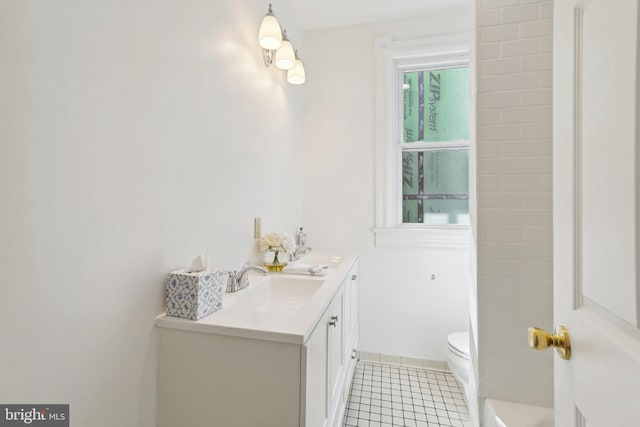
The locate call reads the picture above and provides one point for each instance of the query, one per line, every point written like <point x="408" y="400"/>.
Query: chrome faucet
<point x="237" y="280"/>
<point x="294" y="255"/>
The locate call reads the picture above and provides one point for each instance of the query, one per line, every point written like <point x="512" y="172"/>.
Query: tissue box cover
<point x="194" y="295"/>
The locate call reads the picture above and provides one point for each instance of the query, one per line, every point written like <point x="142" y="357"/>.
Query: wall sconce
<point x="277" y="48"/>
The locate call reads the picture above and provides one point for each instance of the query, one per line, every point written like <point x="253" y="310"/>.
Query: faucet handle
<point x="231" y="280"/>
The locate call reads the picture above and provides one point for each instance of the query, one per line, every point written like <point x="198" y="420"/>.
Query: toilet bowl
<point x="459" y="362"/>
<point x="458" y="358"/>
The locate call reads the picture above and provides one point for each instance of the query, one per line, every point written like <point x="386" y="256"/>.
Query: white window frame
<point x="391" y="58"/>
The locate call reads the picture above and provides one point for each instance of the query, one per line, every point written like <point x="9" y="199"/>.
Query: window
<point x="435" y="147"/>
<point x="422" y="141"/>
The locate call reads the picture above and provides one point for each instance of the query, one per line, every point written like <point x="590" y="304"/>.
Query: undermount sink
<point x="279" y="294"/>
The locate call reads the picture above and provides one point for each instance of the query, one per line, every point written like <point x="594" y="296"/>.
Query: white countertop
<point x="240" y="318"/>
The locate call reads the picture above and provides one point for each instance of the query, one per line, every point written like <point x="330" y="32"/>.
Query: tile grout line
<point x="418" y="397"/>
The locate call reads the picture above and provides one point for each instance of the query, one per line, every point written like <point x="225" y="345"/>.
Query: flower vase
<point x="272" y="262"/>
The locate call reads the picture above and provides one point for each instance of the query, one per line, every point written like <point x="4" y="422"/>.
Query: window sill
<point x="423" y="237"/>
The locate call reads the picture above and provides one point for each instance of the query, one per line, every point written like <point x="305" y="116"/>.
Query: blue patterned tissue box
<point x="194" y="295"/>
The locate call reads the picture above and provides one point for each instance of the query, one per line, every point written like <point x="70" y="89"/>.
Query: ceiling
<point x="315" y="14"/>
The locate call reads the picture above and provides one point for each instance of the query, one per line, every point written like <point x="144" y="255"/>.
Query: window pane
<point x="435" y="186"/>
<point x="410" y="187"/>
<point x="436" y="105"/>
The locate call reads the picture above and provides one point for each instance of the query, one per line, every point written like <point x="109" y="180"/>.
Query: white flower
<point x="275" y="242"/>
<point x="263" y="245"/>
<point x="273" y="239"/>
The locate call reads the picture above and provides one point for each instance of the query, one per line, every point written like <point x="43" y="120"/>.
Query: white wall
<point x="133" y="135"/>
<point x="514" y="190"/>
<point x="403" y="311"/>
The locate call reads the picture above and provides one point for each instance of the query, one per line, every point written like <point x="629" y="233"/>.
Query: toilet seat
<point x="458" y="343"/>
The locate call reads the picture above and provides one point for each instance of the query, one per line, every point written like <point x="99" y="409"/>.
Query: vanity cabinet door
<point x="316" y="354"/>
<point x="328" y="357"/>
<point x="336" y="327"/>
<point x="347" y="301"/>
<point x="353" y="306"/>
<point x="350" y="327"/>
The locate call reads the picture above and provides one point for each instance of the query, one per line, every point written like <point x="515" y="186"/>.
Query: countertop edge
<point x="298" y="336"/>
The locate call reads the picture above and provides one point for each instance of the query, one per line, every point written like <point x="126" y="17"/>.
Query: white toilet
<point x="458" y="358"/>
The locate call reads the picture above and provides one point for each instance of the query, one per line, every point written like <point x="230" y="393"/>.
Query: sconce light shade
<point x="285" y="56"/>
<point x="296" y="75"/>
<point x="270" y="34"/>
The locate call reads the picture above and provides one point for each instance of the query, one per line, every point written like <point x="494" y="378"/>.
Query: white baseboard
<point x="401" y="360"/>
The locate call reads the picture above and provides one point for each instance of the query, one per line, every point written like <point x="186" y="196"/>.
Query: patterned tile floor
<point x="388" y="396"/>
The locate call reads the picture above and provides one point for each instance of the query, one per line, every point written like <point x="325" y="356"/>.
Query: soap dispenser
<point x="301" y="241"/>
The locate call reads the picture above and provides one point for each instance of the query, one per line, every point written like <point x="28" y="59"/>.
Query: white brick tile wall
<point x="521" y="115"/>
<point x="545" y="44"/>
<point x="498" y="33"/>
<point x="532" y="183"/>
<point x="487" y="18"/>
<point x="491" y="151"/>
<point x="500" y="132"/>
<point x="496" y="4"/>
<point x="540" y="166"/>
<point x="537" y="28"/>
<point x="488" y="51"/>
<point x="546" y="79"/>
<point x="514" y="195"/>
<point x="546" y="10"/>
<point x="499" y="99"/>
<point x="520" y="81"/>
<point x="522" y="13"/>
<point x="539" y="130"/>
<point x="519" y="47"/>
<point x="500" y="66"/>
<point x="491" y="182"/>
<point x="537" y="97"/>
<point x="536" y="62"/>
<point x="492" y="165"/>
<point x="489" y="117"/>
<point x="489" y="83"/>
<point x="524" y="149"/>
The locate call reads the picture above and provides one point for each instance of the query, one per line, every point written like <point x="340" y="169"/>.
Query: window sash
<point x="427" y="84"/>
<point x="423" y="194"/>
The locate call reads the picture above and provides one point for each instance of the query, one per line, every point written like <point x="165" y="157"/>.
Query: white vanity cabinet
<point x="263" y="379"/>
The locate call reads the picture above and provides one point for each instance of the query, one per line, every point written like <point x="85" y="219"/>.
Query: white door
<point x="596" y="211"/>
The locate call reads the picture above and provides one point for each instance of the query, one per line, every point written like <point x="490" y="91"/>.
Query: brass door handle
<point x="541" y="340"/>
